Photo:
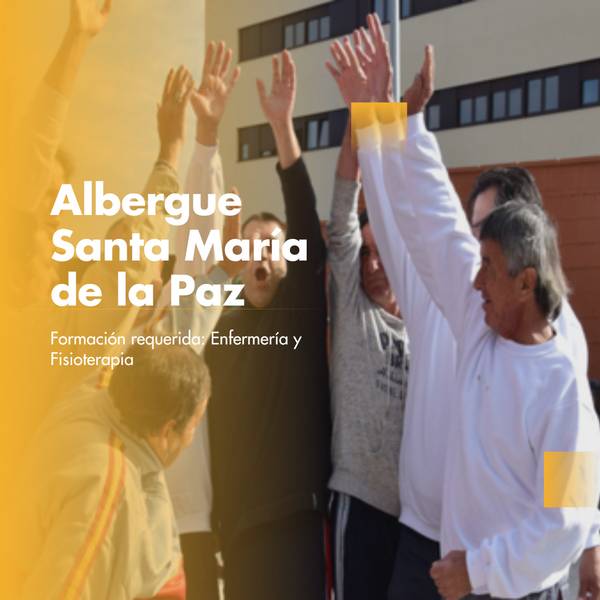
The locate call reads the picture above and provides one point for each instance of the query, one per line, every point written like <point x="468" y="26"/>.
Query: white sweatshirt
<point x="189" y="478"/>
<point x="511" y="403"/>
<point x="433" y="352"/>
<point x="428" y="412"/>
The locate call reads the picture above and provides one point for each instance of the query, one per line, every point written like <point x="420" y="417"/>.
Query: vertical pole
<point x="394" y="12"/>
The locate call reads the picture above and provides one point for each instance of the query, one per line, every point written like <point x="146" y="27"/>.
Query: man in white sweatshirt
<point x="421" y="456"/>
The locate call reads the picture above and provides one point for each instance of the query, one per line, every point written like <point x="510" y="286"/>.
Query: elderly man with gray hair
<point x="517" y="394"/>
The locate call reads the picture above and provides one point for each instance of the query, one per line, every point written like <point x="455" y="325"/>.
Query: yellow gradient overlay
<point x="570" y="479"/>
<point x="391" y="114"/>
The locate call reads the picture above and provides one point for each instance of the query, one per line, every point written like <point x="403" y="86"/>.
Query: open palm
<point x="374" y="56"/>
<point x="278" y="105"/>
<point x="210" y="99"/>
<point x="87" y="17"/>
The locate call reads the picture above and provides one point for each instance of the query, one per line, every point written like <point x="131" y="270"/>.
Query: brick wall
<point x="571" y="192"/>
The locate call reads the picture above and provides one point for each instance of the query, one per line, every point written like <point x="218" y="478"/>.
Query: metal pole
<point x="394" y="12"/>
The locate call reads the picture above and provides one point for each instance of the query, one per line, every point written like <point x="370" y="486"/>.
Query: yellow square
<point x="367" y="114"/>
<point x="570" y="479"/>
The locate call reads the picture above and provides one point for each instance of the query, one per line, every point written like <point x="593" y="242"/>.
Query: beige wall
<point x="479" y="40"/>
<point x="111" y="129"/>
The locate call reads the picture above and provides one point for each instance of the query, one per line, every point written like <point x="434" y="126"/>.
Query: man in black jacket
<point x="269" y="413"/>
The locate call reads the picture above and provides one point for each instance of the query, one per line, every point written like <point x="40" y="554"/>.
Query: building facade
<point x="518" y="81"/>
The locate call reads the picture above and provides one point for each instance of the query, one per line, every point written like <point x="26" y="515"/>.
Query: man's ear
<point x="528" y="281"/>
<point x="167" y="429"/>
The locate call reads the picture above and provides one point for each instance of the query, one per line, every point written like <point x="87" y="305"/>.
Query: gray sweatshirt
<point x="369" y="369"/>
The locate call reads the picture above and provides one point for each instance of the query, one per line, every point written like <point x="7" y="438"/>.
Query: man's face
<point x="503" y="298"/>
<point x="262" y="277"/>
<point x="372" y="274"/>
<point x="482" y="207"/>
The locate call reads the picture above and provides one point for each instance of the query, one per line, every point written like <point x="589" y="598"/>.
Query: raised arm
<point x="363" y="74"/>
<point x="205" y="172"/>
<point x="278" y="107"/>
<point x="298" y="193"/>
<point x="87" y="20"/>
<point x="447" y="257"/>
<point x="41" y="132"/>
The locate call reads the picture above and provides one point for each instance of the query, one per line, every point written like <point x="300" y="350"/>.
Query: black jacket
<point x="269" y="415"/>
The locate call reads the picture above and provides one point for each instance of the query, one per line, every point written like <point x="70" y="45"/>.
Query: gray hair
<point x="528" y="238"/>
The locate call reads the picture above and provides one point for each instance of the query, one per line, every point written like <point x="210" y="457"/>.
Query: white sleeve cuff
<point x="416" y="125"/>
<point x="593" y="539"/>
<point x="204" y="153"/>
<point x="476" y="567"/>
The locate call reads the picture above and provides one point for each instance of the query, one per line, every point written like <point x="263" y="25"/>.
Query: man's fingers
<point x="363" y="59"/>
<point x="262" y="92"/>
<point x="208" y="58"/>
<point x="428" y="69"/>
<point x="340" y="55"/>
<point x="335" y="53"/>
<point x="177" y="81"/>
<point x="188" y="87"/>
<point x="351" y="54"/>
<point x="377" y="29"/>
<point x="365" y="38"/>
<point x="216" y="67"/>
<point x="168" y="85"/>
<point x="226" y="62"/>
<point x="276" y="73"/>
<point x="436" y="569"/>
<point x="179" y="87"/>
<point x="235" y="75"/>
<point x="334" y="72"/>
<point x="289" y="70"/>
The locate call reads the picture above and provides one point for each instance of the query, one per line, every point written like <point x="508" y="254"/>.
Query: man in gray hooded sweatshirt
<point x="369" y="368"/>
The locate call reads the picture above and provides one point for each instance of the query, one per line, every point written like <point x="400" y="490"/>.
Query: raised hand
<point x="210" y="99"/>
<point x="87" y="17"/>
<point x="278" y="105"/>
<point x="348" y="73"/>
<point x="373" y="53"/>
<point x="419" y="93"/>
<point x="171" y="114"/>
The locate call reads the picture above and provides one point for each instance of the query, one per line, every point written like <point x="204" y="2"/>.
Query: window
<point x="481" y="109"/>
<point x="289" y="36"/>
<point x="379" y="8"/>
<point x="312" y="136"/>
<point x="249" y="143"/>
<point x="534" y="96"/>
<point x="551" y="93"/>
<point x="590" y="92"/>
<point x="250" y="42"/>
<point x="433" y="116"/>
<point x="299" y="34"/>
<point x="314" y="24"/>
<point x="324" y="28"/>
<point x="466" y="111"/>
<point x="313" y="30"/>
<point x="499" y="105"/>
<point x="515" y="102"/>
<point x="266" y="141"/>
<point x="324" y="134"/>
